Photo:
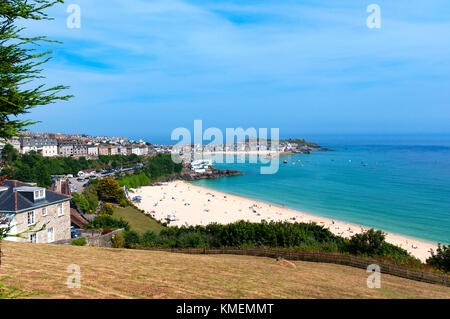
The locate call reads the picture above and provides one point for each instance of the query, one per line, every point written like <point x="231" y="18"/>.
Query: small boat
<point x="285" y="161"/>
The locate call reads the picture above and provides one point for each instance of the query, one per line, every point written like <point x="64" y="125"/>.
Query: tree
<point x="81" y="202"/>
<point x="149" y="238"/>
<point x="106" y="209"/>
<point x="117" y="241"/>
<point x="20" y="65"/>
<point x="9" y="154"/>
<point x="440" y="259"/>
<point x="131" y="239"/>
<point x="368" y="243"/>
<point x="109" y="190"/>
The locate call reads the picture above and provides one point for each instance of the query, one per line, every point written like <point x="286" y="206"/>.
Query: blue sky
<point x="141" y="68"/>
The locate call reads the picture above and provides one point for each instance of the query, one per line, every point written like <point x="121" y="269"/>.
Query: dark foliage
<point x="441" y="258"/>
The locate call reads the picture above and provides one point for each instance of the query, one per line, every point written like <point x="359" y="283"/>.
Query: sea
<point x="399" y="184"/>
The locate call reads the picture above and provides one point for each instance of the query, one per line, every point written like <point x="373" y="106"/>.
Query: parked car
<point x="74" y="233"/>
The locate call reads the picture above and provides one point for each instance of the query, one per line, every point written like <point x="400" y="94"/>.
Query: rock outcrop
<point x="189" y="175"/>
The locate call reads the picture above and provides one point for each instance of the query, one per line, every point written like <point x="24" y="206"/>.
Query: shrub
<point x="109" y="190"/>
<point x="80" y="202"/>
<point x="90" y="193"/>
<point x="79" y="242"/>
<point x="117" y="241"/>
<point x="369" y="243"/>
<point x="440" y="259"/>
<point x="105" y="222"/>
<point x="149" y="238"/>
<point x="106" y="209"/>
<point x="124" y="202"/>
<point x="131" y="239"/>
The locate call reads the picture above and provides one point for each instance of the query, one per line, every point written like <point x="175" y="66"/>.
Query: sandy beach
<point x="195" y="205"/>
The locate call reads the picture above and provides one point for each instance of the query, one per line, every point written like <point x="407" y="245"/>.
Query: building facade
<point x="45" y="146"/>
<point x="26" y="206"/>
<point x="92" y="151"/>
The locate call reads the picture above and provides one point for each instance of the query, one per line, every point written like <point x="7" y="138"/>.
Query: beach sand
<point x="196" y="205"/>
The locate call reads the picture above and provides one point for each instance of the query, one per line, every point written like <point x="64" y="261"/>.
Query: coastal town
<point x="82" y="145"/>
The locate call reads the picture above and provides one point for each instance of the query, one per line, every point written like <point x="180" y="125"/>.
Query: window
<point x="30" y="218"/>
<point x="44" y="211"/>
<point x="50" y="235"/>
<point x="39" y="194"/>
<point x="33" y="238"/>
<point x="60" y="210"/>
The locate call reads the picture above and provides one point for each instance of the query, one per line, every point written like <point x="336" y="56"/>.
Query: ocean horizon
<point x="399" y="183"/>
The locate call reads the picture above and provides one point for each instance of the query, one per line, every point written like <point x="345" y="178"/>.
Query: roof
<point x="76" y="218"/>
<point x="14" y="200"/>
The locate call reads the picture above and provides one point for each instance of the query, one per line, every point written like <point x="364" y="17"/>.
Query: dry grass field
<point x="40" y="271"/>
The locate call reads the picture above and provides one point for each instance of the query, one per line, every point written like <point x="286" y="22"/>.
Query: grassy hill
<point x="122" y="273"/>
<point x="137" y="220"/>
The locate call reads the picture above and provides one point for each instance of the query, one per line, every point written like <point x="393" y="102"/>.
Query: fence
<point x="324" y="257"/>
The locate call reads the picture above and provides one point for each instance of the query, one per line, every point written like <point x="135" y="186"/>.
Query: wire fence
<point x="324" y="257"/>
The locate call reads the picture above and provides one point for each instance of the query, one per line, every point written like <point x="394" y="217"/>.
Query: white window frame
<point x="32" y="218"/>
<point x="44" y="211"/>
<point x="31" y="238"/>
<point x="52" y="239"/>
<point x="39" y="194"/>
<point x="60" y="209"/>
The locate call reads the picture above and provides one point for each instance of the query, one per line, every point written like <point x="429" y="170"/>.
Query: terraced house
<point x="25" y="205"/>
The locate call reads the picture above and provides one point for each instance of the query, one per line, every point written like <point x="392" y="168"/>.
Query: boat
<point x="285" y="162"/>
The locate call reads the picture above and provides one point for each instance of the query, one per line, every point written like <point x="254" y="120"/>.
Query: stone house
<point x="25" y="205"/>
<point x="46" y="146"/>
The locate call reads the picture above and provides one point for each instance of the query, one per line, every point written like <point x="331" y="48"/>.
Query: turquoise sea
<point x="399" y="184"/>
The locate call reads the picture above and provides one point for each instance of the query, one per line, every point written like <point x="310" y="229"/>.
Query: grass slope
<point x="137" y="220"/>
<point x="122" y="273"/>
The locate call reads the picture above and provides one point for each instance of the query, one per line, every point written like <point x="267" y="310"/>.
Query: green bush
<point x="80" y="202"/>
<point x="149" y="239"/>
<point x="90" y="193"/>
<point x="117" y="241"/>
<point x="440" y="259"/>
<point x="109" y="190"/>
<point x="369" y="243"/>
<point x="131" y="239"/>
<point x="124" y="202"/>
<point x="107" y="222"/>
<point x="79" y="242"/>
<point x="106" y="209"/>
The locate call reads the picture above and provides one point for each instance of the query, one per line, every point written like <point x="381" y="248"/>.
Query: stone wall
<point x="94" y="238"/>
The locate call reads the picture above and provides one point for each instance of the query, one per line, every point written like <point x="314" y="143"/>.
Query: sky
<point x="141" y="68"/>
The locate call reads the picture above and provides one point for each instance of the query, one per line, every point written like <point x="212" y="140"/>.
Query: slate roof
<point x="12" y="200"/>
